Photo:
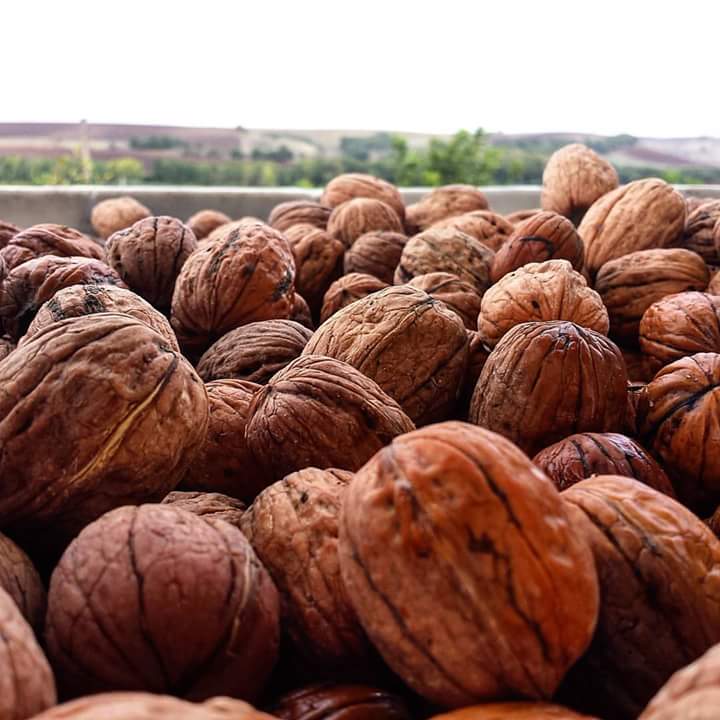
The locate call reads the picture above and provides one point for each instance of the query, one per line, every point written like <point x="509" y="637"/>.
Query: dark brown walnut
<point x="20" y="580"/>
<point x="301" y="312"/>
<point x="376" y="254"/>
<point x="155" y="598"/>
<point x="411" y="345"/>
<point x="96" y="412"/>
<point x="460" y="296"/>
<point x="362" y="215"/>
<point x="346" y="290"/>
<point x="659" y="588"/>
<point x="641" y="215"/>
<point x="678" y="326"/>
<point x="579" y="456"/>
<point x="320" y="412"/>
<point x="693" y="203"/>
<point x="78" y="300"/>
<point x="513" y="711"/>
<point x="631" y="284"/>
<point x="443" y="202"/>
<point x="149" y="255"/>
<point x="222" y="231"/>
<point x="254" y="352"/>
<point x="446" y="250"/>
<point x="550" y="290"/>
<point x="520" y="216"/>
<point x="247" y="276"/>
<point x="293" y="527"/>
<point x="547" y="380"/>
<point x="202" y="223"/>
<point x="49" y="239"/>
<point x="574" y="178"/>
<point x="702" y="232"/>
<point x="544" y="236"/>
<point x="208" y="505"/>
<point x="637" y="408"/>
<point x="33" y="283"/>
<point x="114" y="214"/>
<point x="340" y="702"/>
<point x="357" y="185"/>
<point x="464" y="569"/>
<point x="299" y="212"/>
<point x="6" y="346"/>
<point x="27" y="686"/>
<point x="478" y="353"/>
<point x="224" y="463"/>
<point x="7" y="232"/>
<point x="491" y="229"/>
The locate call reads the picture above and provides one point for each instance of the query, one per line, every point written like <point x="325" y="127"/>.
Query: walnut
<point x="224" y="463"/>
<point x="631" y="284"/>
<point x="412" y="346"/>
<point x="513" y="711"/>
<point x="520" y="216"/>
<point x="356" y="185"/>
<point x="574" y="178"/>
<point x="301" y="313"/>
<point x="544" y="236"/>
<point x="550" y="290"/>
<point x="78" y="300"/>
<point x="293" y="527"/>
<point x="346" y="290"/>
<point x="320" y="412"/>
<point x="114" y="214"/>
<point x="702" y="232"/>
<point x="680" y="325"/>
<point x="6" y="346"/>
<point x="362" y="215"/>
<point x="460" y="296"/>
<point x="254" y="352"/>
<point x="491" y="229"/>
<point x="693" y="203"/>
<point x="579" y="456"/>
<point x="203" y="222"/>
<point x="446" y="251"/>
<point x="376" y="254"/>
<point x="7" y="232"/>
<point x="464" y="569"/>
<point x="641" y="215"/>
<point x="659" y="588"/>
<point x="547" y="380"/>
<point x="208" y="505"/>
<point x="28" y="286"/>
<point x="300" y="212"/>
<point x="245" y="277"/>
<point x="139" y="413"/>
<point x="20" y="580"/>
<point x="222" y="231"/>
<point x="443" y="202"/>
<point x="714" y="285"/>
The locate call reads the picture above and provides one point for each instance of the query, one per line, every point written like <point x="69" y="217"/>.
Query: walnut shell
<point x="254" y="352"/>
<point x="376" y="254"/>
<point x="469" y="585"/>
<point x="579" y="456"/>
<point x="637" y="407"/>
<point x="491" y="229"/>
<point x="443" y="202"/>
<point x="6" y="347"/>
<point x="114" y="214"/>
<point x="245" y="277"/>
<point x="222" y="231"/>
<point x="714" y="285"/>
<point x="362" y="215"/>
<point x="208" y="505"/>
<point x="544" y="236"/>
<point x="300" y="212"/>
<point x="412" y="346"/>
<point x="320" y="412"/>
<point x="224" y="463"/>
<point x="629" y="285"/>
<point x="641" y="215"/>
<point x="28" y="286"/>
<point x="461" y="297"/>
<point x="138" y="415"/>
<point x="301" y="313"/>
<point x="659" y="587"/>
<point x="574" y="178"/>
<point x="550" y="290"/>
<point x="702" y="232"/>
<point x="513" y="711"/>
<point x="203" y="222"/>
<point x="446" y="251"/>
<point x="7" y="232"/>
<point x="149" y="255"/>
<point x="547" y="380"/>
<point x="293" y="527"/>
<point x="678" y="326"/>
<point x="78" y="300"/>
<point x="349" y="186"/>
<point x="155" y="598"/>
<point x="520" y="216"/>
<point x="346" y="290"/>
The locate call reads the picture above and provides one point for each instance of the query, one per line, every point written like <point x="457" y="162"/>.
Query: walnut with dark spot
<point x="208" y="505"/>
<point x="491" y="229"/>
<point x="362" y="215"/>
<point x="299" y="212"/>
<point x="349" y="186"/>
<point x="460" y="296"/>
<point x="202" y="223"/>
<point x="114" y="214"/>
<point x="443" y="202"/>
<point x="346" y="290"/>
<point x="376" y="254"/>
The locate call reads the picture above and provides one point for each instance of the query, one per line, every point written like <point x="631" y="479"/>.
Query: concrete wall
<point x="71" y="205"/>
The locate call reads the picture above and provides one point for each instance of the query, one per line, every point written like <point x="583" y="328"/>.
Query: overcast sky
<point x="642" y="67"/>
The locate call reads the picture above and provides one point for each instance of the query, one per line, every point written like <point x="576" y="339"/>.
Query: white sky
<point x="637" y="66"/>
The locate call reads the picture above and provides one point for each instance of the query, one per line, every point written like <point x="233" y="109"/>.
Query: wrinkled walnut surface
<point x="208" y="505"/>
<point x="702" y="231"/>
<point x="203" y="222"/>
<point x="346" y="290"/>
<point x="19" y="578"/>
<point x="376" y="254"/>
<point x="460" y="296"/>
<point x="444" y="202"/>
<point x="357" y="185"/>
<point x="362" y="215"/>
<point x="299" y="212"/>
<point x="114" y="214"/>
<point x="491" y="229"/>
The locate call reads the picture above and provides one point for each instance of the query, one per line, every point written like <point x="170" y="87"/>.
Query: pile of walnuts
<point x="365" y="460"/>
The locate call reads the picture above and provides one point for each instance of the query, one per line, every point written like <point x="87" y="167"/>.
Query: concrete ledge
<point x="71" y="205"/>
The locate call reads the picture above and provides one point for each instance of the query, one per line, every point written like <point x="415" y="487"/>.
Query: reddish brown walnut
<point x="155" y="598"/>
<point x="222" y="231"/>
<point x="7" y="232"/>
<point x="411" y="345"/>
<point x="346" y="290"/>
<point x="202" y="223"/>
<point x="513" y="711"/>
<point x="693" y="202"/>
<point x="22" y="583"/>
<point x="520" y="216"/>
<point x="299" y="212"/>
<point x="464" y="569"/>
<point x="319" y="412"/>
<point x="208" y="505"/>
<point x="657" y="564"/>
<point x="443" y="202"/>
<point x="376" y="254"/>
<point x="362" y="215"/>
<point x="702" y="231"/>
<point x="349" y="186"/>
<point x="547" y="380"/>
<point x="460" y="296"/>
<point x="114" y="214"/>
<point x="579" y="456"/>
<point x="6" y="346"/>
<point x="491" y="229"/>
<point x="96" y="412"/>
